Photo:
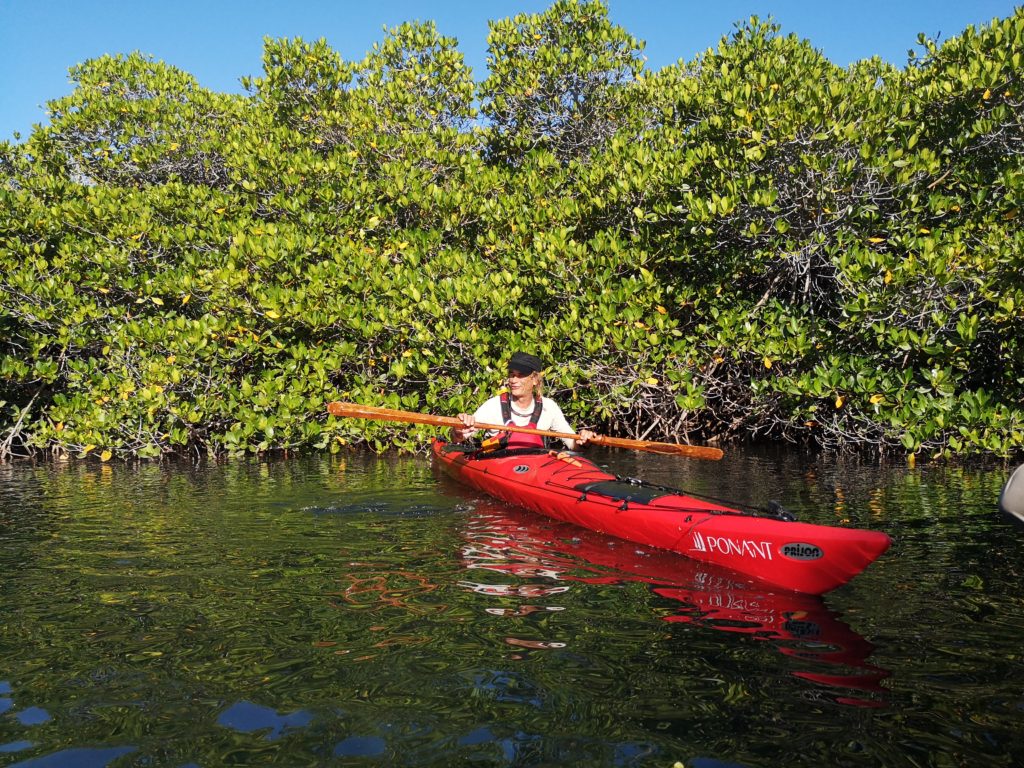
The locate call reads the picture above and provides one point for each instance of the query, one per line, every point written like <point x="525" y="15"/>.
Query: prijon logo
<point x="724" y="545"/>
<point x="521" y="468"/>
<point x="799" y="551"/>
<point x="802" y="628"/>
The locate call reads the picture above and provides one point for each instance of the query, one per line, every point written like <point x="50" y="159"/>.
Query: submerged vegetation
<point x="754" y="243"/>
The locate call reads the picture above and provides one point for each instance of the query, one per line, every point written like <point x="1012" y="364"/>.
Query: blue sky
<point x="220" y="41"/>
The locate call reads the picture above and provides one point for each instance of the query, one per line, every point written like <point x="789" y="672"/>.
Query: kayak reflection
<point x="554" y="554"/>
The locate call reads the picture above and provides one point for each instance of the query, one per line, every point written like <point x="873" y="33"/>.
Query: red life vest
<point x="516" y="439"/>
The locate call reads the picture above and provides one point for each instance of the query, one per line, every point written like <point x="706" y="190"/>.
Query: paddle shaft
<point x="376" y="413"/>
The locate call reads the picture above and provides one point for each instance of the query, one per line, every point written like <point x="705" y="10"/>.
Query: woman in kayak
<point x="522" y="405"/>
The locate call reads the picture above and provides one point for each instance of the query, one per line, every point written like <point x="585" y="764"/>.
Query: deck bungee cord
<point x="773" y="509"/>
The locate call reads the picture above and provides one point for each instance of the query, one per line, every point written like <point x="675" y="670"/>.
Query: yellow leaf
<point x="272" y="314"/>
<point x="876" y="239"/>
<point x="888" y="277"/>
<point x="106" y="350"/>
<point x="924" y="231"/>
<point x="839" y="401"/>
<point x="171" y="358"/>
<point x="185" y="298"/>
<point x="88" y="448"/>
<point x="987" y="94"/>
<point x="158" y="301"/>
<point x="105" y="456"/>
<point x="661" y="310"/>
<point x="60" y="426"/>
<point x="220" y="210"/>
<point x="174" y="145"/>
<point x="768" y="362"/>
<point x="157" y="388"/>
<point x="876" y="399"/>
<point x="653" y="382"/>
<point x="103" y="290"/>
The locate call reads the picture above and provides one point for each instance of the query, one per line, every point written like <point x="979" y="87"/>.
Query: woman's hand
<point x="585" y="437"/>
<point x="467" y="431"/>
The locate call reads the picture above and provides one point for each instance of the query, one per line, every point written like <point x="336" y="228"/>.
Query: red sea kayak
<point x="801" y="557"/>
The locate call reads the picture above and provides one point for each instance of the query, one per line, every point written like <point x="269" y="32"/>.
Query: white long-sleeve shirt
<point x="551" y="417"/>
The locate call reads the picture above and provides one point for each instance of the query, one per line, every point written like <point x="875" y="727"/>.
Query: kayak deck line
<point x="768" y="548"/>
<point x="606" y="488"/>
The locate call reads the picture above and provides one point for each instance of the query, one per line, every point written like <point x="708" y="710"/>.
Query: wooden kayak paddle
<point x="375" y="413"/>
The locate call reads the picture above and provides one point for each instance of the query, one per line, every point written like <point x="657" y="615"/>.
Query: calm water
<point x="364" y="611"/>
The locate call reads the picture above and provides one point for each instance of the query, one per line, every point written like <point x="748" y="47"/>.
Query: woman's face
<point x="520" y="382"/>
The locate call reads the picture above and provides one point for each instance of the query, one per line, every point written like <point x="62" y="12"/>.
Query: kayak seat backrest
<point x="620" y="491"/>
<point x="473" y="450"/>
<point x="459" y="448"/>
<point x="504" y="453"/>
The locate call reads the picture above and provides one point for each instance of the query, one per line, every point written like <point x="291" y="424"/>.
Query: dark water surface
<point x="365" y="611"/>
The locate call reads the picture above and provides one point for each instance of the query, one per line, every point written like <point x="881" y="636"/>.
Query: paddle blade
<point x="669" y="449"/>
<point x="376" y="413"/>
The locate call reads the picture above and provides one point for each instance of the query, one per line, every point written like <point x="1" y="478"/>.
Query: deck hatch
<point x="616" y="489"/>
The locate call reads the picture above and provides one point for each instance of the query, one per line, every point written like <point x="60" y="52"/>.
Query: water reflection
<point x="80" y="757"/>
<point x="549" y="558"/>
<point x="246" y="717"/>
<point x="351" y="610"/>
